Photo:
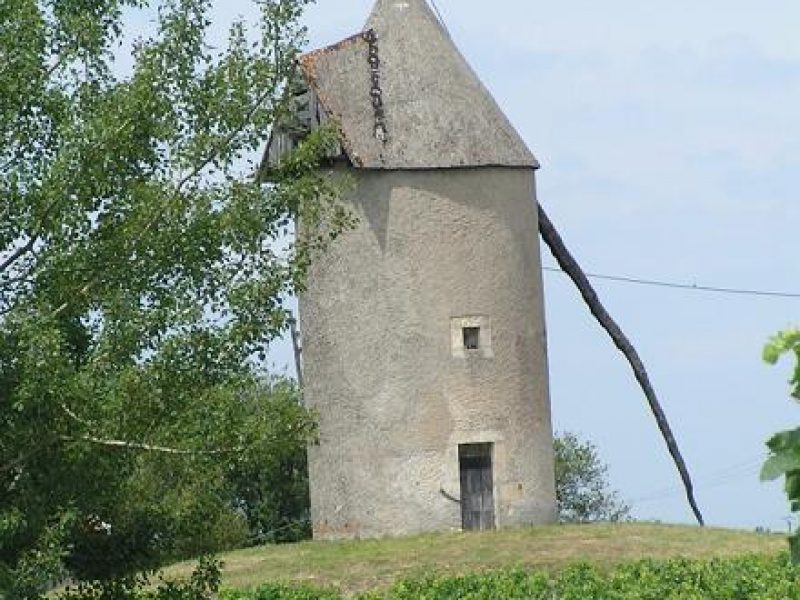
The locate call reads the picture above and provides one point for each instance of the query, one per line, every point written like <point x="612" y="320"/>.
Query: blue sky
<point x="669" y="137"/>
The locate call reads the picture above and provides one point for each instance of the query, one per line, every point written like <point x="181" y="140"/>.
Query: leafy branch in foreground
<point x="143" y="274"/>
<point x="784" y="447"/>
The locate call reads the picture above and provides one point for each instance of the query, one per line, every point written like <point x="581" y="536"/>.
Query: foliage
<point x="220" y="509"/>
<point x="278" y="591"/>
<point x="42" y="563"/>
<point x="269" y="485"/>
<point x="202" y="585"/>
<point x="354" y="566"/>
<point x="143" y="274"/>
<point x="752" y="578"/>
<point x="582" y="491"/>
<point x="784" y="447"/>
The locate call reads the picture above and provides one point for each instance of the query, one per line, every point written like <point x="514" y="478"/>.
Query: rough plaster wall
<point x="394" y="402"/>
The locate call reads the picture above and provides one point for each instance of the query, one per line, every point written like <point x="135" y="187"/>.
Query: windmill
<point x="423" y="328"/>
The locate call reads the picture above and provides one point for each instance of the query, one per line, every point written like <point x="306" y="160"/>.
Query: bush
<point x="741" y="578"/>
<point x="582" y="489"/>
<point x="282" y="592"/>
<point x="203" y="585"/>
<point x="509" y="585"/>
<point x="784" y="447"/>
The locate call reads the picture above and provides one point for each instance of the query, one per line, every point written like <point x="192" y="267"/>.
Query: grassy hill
<point x="361" y="565"/>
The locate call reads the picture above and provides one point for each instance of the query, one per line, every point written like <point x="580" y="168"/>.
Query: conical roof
<point x="405" y="97"/>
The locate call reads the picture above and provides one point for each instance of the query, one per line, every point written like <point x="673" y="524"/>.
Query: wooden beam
<point x="571" y="267"/>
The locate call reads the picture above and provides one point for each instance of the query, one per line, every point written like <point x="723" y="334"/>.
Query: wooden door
<point x="477" y="496"/>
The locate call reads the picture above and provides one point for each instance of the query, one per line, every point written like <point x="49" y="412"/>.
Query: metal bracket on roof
<point x="376" y="93"/>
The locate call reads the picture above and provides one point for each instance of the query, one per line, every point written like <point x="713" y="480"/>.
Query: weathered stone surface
<point x="394" y="399"/>
<point x="437" y="112"/>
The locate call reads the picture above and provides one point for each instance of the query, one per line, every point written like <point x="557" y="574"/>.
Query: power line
<point x="683" y="286"/>
<point x="731" y="474"/>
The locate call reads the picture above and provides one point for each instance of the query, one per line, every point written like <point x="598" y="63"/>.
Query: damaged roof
<point x="405" y="98"/>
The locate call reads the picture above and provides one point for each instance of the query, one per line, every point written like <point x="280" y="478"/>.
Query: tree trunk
<point x="571" y="267"/>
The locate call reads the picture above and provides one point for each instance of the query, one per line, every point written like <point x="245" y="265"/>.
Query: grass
<point x="361" y="565"/>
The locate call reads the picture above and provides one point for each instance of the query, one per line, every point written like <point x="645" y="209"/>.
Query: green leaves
<point x="784" y="447"/>
<point x="203" y="583"/>
<point x="143" y="271"/>
<point x="786" y="342"/>
<point x="778" y="465"/>
<point x="582" y="490"/>
<point x="784" y="454"/>
<point x="783" y="342"/>
<point x="751" y="578"/>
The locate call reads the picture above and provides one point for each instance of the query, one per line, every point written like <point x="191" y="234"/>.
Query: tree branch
<point x="571" y="267"/>
<point x="35" y="237"/>
<point x="126" y="445"/>
<point x="196" y="171"/>
<point x="228" y="140"/>
<point x="22" y="458"/>
<point x="73" y="416"/>
<point x="18" y="253"/>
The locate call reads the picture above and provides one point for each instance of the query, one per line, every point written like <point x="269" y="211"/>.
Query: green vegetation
<point x="359" y="566"/>
<point x="143" y="274"/>
<point x="582" y="489"/>
<point x="784" y="447"/>
<point x="750" y="578"/>
<point x="203" y="584"/>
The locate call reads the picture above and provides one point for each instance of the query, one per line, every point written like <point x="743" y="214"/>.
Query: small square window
<point x="472" y="337"/>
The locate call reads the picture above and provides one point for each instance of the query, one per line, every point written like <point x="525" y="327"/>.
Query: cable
<point x="725" y="476"/>
<point x="682" y="286"/>
<point x="702" y="486"/>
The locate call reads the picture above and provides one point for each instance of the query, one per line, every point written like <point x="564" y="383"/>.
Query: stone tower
<point x="423" y="328"/>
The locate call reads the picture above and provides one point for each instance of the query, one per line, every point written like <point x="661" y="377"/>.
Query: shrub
<point x="202" y="585"/>
<point x="583" y="493"/>
<point x="741" y="578"/>
<point x="277" y="591"/>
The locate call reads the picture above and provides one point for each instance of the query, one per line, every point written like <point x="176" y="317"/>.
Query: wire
<point x="738" y="478"/>
<point x="731" y="474"/>
<point x="683" y="286"/>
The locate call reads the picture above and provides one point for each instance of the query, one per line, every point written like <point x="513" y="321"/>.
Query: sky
<point x="669" y="138"/>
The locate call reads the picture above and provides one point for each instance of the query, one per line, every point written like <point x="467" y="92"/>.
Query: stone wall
<point x="385" y="368"/>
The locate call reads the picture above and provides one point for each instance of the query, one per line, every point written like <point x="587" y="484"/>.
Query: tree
<point x="582" y="491"/>
<point x="269" y="485"/>
<point x="784" y="447"/>
<point x="143" y="274"/>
